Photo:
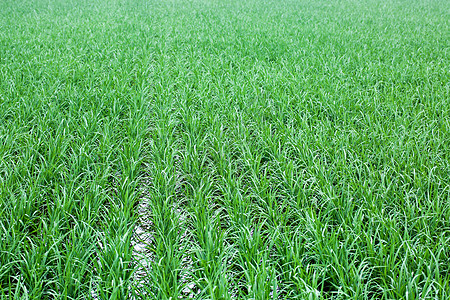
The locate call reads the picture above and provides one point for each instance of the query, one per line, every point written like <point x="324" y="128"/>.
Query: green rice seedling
<point x="263" y="150"/>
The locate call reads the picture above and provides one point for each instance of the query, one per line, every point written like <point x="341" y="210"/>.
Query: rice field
<point x="206" y="149"/>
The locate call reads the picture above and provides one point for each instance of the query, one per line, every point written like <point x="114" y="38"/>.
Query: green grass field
<point x="224" y="149"/>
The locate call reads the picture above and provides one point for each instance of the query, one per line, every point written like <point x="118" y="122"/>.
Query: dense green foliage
<point x="277" y="149"/>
